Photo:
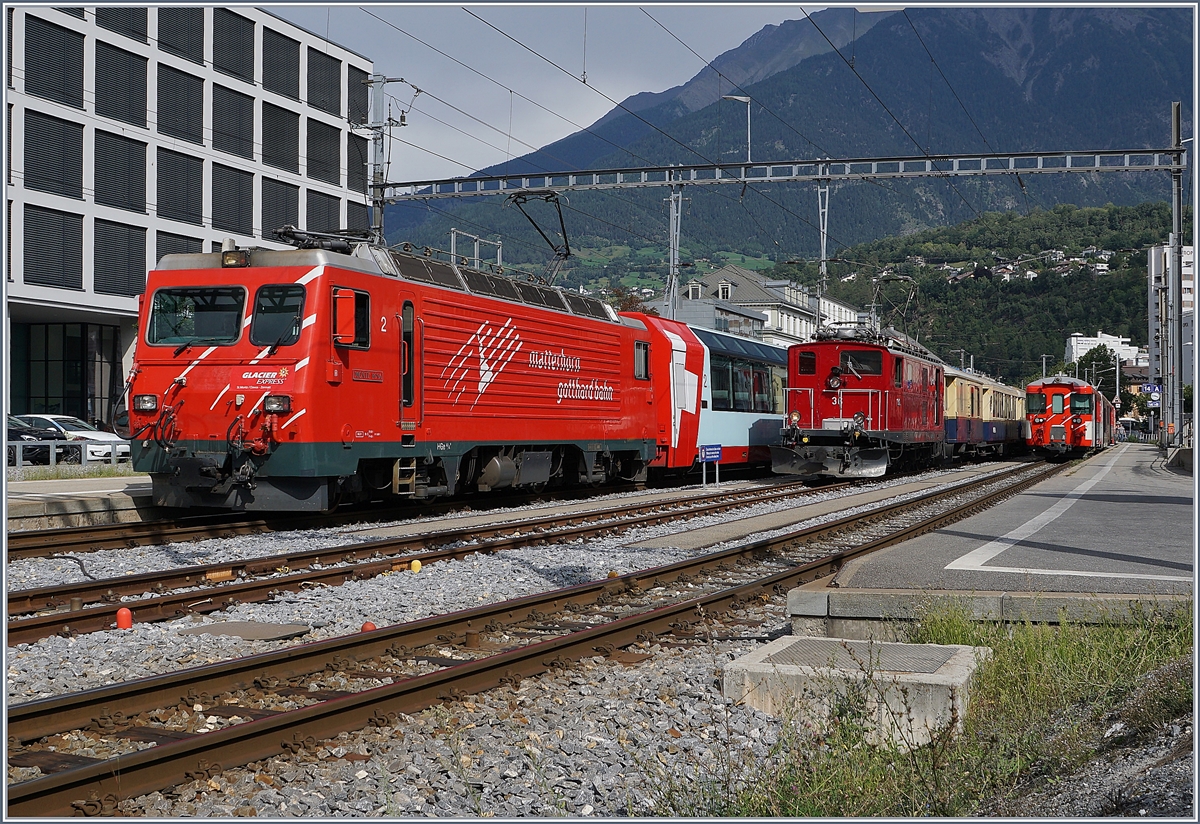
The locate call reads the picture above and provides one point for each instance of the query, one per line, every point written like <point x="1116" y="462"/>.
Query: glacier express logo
<point x="486" y="353"/>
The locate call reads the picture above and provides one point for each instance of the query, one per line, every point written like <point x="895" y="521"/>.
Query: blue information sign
<point x="710" y="452"/>
<point x="1147" y="388"/>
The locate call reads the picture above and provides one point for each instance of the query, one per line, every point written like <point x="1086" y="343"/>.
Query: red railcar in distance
<point x="859" y="401"/>
<point x="297" y="379"/>
<point x="1068" y="417"/>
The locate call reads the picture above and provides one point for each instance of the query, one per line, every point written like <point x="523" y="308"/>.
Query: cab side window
<point x="641" y="360"/>
<point x="362" y="321"/>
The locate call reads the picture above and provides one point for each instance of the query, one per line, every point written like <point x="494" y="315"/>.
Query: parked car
<point x="100" y="444"/>
<point x="20" y="431"/>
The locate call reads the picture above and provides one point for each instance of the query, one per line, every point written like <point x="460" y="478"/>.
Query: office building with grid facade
<point x="136" y="132"/>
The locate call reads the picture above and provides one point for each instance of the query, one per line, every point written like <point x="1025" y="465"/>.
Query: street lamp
<point x="744" y="99"/>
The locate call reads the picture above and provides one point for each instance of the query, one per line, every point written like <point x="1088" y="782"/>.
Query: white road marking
<point x="976" y="558"/>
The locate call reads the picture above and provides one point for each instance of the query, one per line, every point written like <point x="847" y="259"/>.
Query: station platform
<point x="60" y="504"/>
<point x="1110" y="536"/>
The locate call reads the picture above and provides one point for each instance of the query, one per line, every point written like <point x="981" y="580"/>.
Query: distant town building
<point x="137" y="132"/>
<point x="1159" y="266"/>
<point x="786" y="308"/>
<point x="1079" y="345"/>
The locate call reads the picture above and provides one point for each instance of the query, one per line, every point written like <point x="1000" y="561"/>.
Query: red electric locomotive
<point x="1068" y="417"/>
<point x="298" y="379"/>
<point x="859" y="401"/>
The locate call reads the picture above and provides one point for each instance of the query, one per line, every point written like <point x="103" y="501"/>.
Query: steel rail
<point x="42" y="542"/>
<point x="97" y="787"/>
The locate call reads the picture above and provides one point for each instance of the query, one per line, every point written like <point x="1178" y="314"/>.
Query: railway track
<point x="90" y="606"/>
<point x="41" y="543"/>
<point x="272" y="710"/>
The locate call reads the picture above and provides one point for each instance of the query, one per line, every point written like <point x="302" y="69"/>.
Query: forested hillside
<point x="1008" y="326"/>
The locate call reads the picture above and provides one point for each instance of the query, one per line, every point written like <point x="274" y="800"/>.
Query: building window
<point x="233" y="199"/>
<point x="120" y="259"/>
<point x="53" y="62"/>
<point x="53" y="248"/>
<point x="127" y="20"/>
<point x="724" y="290"/>
<point x="324" y="82"/>
<point x="358" y="216"/>
<point x="281" y="138"/>
<point x="120" y="84"/>
<point x="356" y="163"/>
<point x="120" y="167"/>
<point x="233" y="122"/>
<point x="281" y="64"/>
<point x="180" y="105"/>
<point x="8" y="21"/>
<point x="694" y="289"/>
<point x="180" y="187"/>
<point x="181" y="32"/>
<point x="166" y="243"/>
<point x="74" y="12"/>
<point x="280" y="206"/>
<point x="324" y="152"/>
<point x="53" y="155"/>
<point x="233" y="44"/>
<point x="324" y="213"/>
<point x="357" y="95"/>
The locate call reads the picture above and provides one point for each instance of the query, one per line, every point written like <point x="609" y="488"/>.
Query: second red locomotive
<point x="860" y="400"/>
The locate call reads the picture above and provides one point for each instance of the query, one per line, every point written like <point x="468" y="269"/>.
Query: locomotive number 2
<point x="383" y="323"/>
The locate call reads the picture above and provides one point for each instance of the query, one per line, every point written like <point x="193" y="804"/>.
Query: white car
<point x="101" y="444"/>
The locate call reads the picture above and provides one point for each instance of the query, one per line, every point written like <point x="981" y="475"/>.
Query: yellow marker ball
<point x="415" y="566"/>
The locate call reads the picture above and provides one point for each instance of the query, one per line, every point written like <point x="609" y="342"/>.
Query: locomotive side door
<point x="410" y="400"/>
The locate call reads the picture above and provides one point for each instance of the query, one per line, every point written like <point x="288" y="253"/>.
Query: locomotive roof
<point x="376" y="260"/>
<point x="891" y="338"/>
<point x="1059" y="380"/>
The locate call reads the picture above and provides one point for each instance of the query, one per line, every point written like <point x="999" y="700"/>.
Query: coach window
<point x="806" y="363"/>
<point x="1081" y="404"/>
<point x="762" y="390"/>
<point x="1056" y="404"/>
<point x="362" y="321"/>
<point x="722" y="397"/>
<point x="406" y="333"/>
<point x="898" y="373"/>
<point x="1035" y="403"/>
<point x="742" y="386"/>
<point x="278" y="313"/>
<point x="641" y="360"/>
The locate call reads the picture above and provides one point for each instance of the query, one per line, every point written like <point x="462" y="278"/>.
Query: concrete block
<point x="809" y="603"/>
<point x="906" y="692"/>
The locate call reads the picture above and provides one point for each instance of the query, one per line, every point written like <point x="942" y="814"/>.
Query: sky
<point x="473" y="113"/>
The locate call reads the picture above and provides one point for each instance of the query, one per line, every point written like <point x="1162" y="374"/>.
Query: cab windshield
<point x="196" y="314"/>
<point x="1081" y="404"/>
<point x="1035" y="403"/>
<point x="278" y="311"/>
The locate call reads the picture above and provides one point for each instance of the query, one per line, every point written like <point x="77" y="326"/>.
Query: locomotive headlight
<point x="1039" y="420"/>
<point x="834" y="382"/>
<point x="145" y="403"/>
<point x="278" y="403"/>
<point x="804" y="439"/>
<point x="1076" y="419"/>
<point x="795" y="418"/>
<point x="859" y="419"/>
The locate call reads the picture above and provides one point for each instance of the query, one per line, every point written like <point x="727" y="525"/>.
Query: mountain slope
<point x="1030" y="79"/>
